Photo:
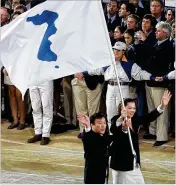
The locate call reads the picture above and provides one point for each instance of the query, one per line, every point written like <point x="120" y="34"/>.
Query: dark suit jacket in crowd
<point x="144" y="50"/>
<point x="161" y="62"/>
<point x="140" y="12"/>
<point x="121" y="154"/>
<point x="114" y="24"/>
<point x="96" y="157"/>
<point x="93" y="81"/>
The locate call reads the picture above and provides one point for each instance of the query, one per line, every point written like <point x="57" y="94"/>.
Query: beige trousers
<point x="86" y="101"/>
<point x="69" y="107"/>
<point x="159" y="127"/>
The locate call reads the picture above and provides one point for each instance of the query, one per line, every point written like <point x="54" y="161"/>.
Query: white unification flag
<point x="53" y="40"/>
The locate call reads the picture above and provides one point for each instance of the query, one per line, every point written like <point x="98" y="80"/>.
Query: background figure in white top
<point x="42" y="105"/>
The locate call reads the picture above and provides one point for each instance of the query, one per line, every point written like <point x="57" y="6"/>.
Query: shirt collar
<point x="161" y="41"/>
<point x="159" y="19"/>
<point x="112" y="18"/>
<point x="149" y="33"/>
<point x="125" y="21"/>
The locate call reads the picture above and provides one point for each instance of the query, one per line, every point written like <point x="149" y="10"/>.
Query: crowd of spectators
<point x="147" y="28"/>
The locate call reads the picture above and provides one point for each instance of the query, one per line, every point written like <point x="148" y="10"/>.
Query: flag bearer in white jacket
<point x="126" y="71"/>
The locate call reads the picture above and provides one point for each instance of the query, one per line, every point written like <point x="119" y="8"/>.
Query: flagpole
<point x="114" y="65"/>
<point x="129" y="134"/>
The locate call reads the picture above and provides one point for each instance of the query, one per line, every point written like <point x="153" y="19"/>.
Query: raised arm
<point x="158" y="111"/>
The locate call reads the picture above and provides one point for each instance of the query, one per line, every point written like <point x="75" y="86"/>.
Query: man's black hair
<point x="98" y="115"/>
<point x="129" y="7"/>
<point x="151" y="18"/>
<point x="126" y="101"/>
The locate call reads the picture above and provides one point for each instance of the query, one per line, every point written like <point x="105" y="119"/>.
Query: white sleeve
<point x="87" y="129"/>
<point x="118" y="123"/>
<point x="159" y="109"/>
<point x="138" y="74"/>
<point x="98" y="71"/>
<point x="171" y="75"/>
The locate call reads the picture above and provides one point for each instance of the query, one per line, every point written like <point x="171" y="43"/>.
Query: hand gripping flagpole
<point x="129" y="134"/>
<point x="114" y="64"/>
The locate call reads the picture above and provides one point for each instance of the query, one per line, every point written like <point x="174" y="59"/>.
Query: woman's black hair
<point x="126" y="101"/>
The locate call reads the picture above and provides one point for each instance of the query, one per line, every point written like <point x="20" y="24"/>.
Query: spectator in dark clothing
<point x="145" y="40"/>
<point x="125" y="166"/>
<point x="170" y="14"/>
<point x="132" y="22"/>
<point x="138" y="10"/>
<point x="118" y="34"/>
<point x="95" y="141"/>
<point x="125" y="10"/>
<point x="112" y="17"/>
<point x="146" y="5"/>
<point x="156" y="9"/>
<point x="129" y="39"/>
<point x="160" y="63"/>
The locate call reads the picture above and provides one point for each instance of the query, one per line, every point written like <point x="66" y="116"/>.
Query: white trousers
<point x="113" y="99"/>
<point x="129" y="177"/>
<point x="42" y="105"/>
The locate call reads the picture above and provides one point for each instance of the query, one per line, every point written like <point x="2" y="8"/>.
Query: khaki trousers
<point x="159" y="127"/>
<point x="86" y="101"/>
<point x="69" y="108"/>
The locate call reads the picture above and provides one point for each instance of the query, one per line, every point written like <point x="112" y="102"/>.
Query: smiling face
<point x="131" y="109"/>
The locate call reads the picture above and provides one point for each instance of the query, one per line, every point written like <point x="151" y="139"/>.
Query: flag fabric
<point x="53" y="40"/>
